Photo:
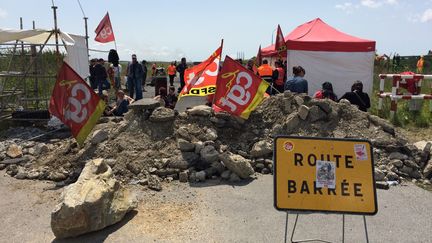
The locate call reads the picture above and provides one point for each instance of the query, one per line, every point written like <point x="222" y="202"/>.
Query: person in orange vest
<point x="153" y="69"/>
<point x="420" y="64"/>
<point x="172" y="73"/>
<point x="265" y="71"/>
<point x="279" y="77"/>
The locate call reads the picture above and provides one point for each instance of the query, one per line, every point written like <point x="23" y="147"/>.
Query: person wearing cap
<point x="134" y="78"/>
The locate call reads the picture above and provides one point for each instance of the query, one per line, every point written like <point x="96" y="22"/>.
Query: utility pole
<point x="54" y="8"/>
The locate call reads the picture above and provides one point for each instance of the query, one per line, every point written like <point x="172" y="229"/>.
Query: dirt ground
<point x="214" y="212"/>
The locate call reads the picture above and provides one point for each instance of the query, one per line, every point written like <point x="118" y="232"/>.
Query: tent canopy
<point x="37" y="36"/>
<point x="316" y="35"/>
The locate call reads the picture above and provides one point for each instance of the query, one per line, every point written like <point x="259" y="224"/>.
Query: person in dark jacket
<point x="100" y="75"/>
<point x="134" y="78"/>
<point x="357" y="97"/>
<point x="92" y="77"/>
<point x="297" y="83"/>
<point x="181" y="69"/>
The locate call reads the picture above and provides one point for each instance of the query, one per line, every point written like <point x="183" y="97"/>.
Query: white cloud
<point x="371" y="3"/>
<point x="347" y="7"/>
<point x="377" y="3"/>
<point x="3" y="13"/>
<point x="426" y="16"/>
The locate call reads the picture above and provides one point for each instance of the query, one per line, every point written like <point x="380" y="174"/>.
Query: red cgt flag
<point x="239" y="91"/>
<point x="200" y="80"/>
<point x="104" y="31"/>
<point x="280" y="44"/>
<point x="75" y="103"/>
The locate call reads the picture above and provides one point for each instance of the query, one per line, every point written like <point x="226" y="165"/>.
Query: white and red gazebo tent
<point x="328" y="55"/>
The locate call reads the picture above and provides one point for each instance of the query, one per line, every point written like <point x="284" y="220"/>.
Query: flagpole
<point x="220" y="60"/>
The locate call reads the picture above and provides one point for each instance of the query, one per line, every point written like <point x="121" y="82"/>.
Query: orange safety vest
<point x="280" y="79"/>
<point x="171" y="70"/>
<point x="265" y="71"/>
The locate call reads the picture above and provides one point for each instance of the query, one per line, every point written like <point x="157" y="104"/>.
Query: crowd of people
<point x="102" y="79"/>
<point x="279" y="82"/>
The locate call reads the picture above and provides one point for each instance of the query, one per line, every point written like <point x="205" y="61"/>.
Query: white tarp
<point x="339" y="68"/>
<point x="37" y="36"/>
<point x="77" y="56"/>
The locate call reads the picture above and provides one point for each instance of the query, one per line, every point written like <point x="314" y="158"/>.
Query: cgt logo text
<point x="76" y="109"/>
<point x="238" y="95"/>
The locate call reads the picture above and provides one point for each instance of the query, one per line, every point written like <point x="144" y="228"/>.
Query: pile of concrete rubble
<point x="153" y="144"/>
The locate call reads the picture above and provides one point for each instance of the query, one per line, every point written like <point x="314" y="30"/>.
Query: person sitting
<point x="357" y="97"/>
<point x="162" y="97"/>
<point x="105" y="98"/>
<point x="171" y="99"/>
<point x="326" y="92"/>
<point x="122" y="103"/>
<point x="297" y="83"/>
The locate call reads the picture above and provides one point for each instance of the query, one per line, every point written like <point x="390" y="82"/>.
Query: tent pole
<point x="54" y="8"/>
<point x="86" y="35"/>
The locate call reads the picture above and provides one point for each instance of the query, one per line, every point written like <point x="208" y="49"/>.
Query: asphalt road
<point x="216" y="212"/>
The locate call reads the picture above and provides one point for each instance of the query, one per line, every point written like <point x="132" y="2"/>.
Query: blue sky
<point x="169" y="29"/>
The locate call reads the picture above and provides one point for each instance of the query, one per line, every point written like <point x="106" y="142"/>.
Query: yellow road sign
<point x="322" y="174"/>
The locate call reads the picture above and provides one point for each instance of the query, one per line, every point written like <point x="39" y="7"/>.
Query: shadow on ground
<point x="220" y="182"/>
<point x="101" y="235"/>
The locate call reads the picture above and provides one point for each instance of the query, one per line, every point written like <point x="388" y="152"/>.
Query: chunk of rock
<point x="303" y="112"/>
<point x="379" y="175"/>
<point x="200" y="110"/>
<point x="234" y="177"/>
<point x="261" y="149"/>
<point x="427" y="172"/>
<point x="384" y="124"/>
<point x="201" y="175"/>
<point x="154" y="183"/>
<point x="185" y="146"/>
<point x="162" y="114"/>
<point x="14" y="151"/>
<point x="391" y="176"/>
<point x="99" y="136"/>
<point x="183" y="176"/>
<point x="237" y="164"/>
<point x="397" y="155"/>
<point x="209" y="154"/>
<point x="94" y="202"/>
<point x="316" y="113"/>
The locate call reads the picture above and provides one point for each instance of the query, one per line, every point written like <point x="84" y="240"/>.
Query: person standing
<point x="172" y="73"/>
<point x="144" y="66"/>
<point x="297" y="83"/>
<point x="134" y="78"/>
<point x="265" y="71"/>
<point x="279" y="77"/>
<point x="100" y="75"/>
<point x="420" y="64"/>
<point x="116" y="72"/>
<point x="357" y="97"/>
<point x="92" y="78"/>
<point x="181" y="69"/>
<point x="154" y="69"/>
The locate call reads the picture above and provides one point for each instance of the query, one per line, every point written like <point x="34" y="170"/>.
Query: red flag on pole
<point x="280" y="44"/>
<point x="239" y="91"/>
<point x="75" y="103"/>
<point x="200" y="80"/>
<point x="258" y="60"/>
<point x="104" y="31"/>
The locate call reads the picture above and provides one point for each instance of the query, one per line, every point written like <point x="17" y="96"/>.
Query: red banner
<point x="280" y="44"/>
<point x="200" y="80"/>
<point x="75" y="103"/>
<point x="104" y="31"/>
<point x="239" y="91"/>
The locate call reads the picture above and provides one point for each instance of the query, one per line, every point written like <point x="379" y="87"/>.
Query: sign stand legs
<point x="293" y="231"/>
<point x="308" y="240"/>
<point x="366" y="231"/>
